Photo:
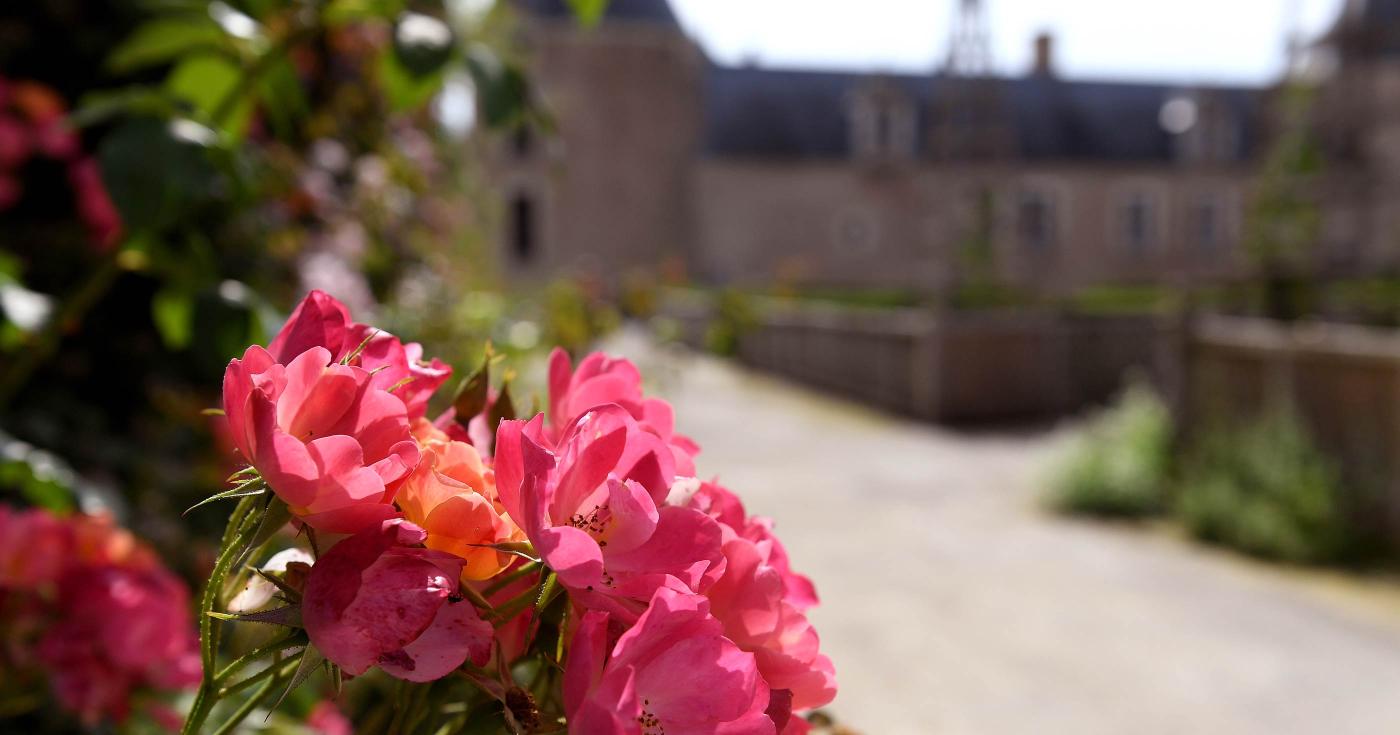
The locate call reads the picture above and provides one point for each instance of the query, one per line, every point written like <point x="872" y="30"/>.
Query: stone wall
<point x="952" y="367"/>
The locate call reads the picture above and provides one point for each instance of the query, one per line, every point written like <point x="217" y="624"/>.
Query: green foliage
<point x="573" y="319"/>
<point x="164" y="39"/>
<point x="1119" y="466"/>
<point x="1123" y="299"/>
<point x="1266" y="489"/>
<point x="1284" y="219"/>
<point x="981" y="295"/>
<point x="734" y="315"/>
<point x="40" y="478"/>
<point x="158" y="172"/>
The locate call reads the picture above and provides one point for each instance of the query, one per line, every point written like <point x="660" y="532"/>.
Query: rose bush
<point x="567" y="567"/>
<point x="94" y="611"/>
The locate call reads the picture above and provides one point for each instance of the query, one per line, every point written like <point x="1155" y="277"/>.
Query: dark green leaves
<point x="502" y="92"/>
<point x="166" y="39"/>
<point x="157" y="171"/>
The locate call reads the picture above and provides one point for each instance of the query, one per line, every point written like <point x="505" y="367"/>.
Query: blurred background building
<point x="662" y="159"/>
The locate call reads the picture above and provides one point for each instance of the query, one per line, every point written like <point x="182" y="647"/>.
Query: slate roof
<point x="754" y="112"/>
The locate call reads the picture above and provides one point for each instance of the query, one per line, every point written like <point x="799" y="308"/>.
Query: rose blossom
<point x="379" y="599"/>
<point x="601" y="379"/>
<point x="607" y="537"/>
<point x="324" y="414"/>
<point x="452" y="496"/>
<point x="673" y="672"/>
<point x="95" y="609"/>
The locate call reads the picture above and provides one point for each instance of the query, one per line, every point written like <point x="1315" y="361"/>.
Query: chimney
<point x="1044" y="65"/>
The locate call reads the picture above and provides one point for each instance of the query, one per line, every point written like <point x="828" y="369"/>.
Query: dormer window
<point x="882" y="123"/>
<point x="1203" y="125"/>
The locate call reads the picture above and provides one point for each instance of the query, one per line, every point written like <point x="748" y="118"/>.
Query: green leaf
<point x="403" y="90"/>
<point x="249" y="488"/>
<point x="311" y="659"/>
<point x="204" y="82"/>
<point x="502" y="90"/>
<point x="288" y="616"/>
<point x="164" y="40"/>
<point x="155" y="178"/>
<point x="281" y="98"/>
<point x="133" y="101"/>
<point x="588" y="12"/>
<point x="173" y="312"/>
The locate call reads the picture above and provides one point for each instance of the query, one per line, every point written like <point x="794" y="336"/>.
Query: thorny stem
<point x="243" y="521"/>
<point x="250" y="704"/>
<point x="278" y="670"/>
<point x="237" y="664"/>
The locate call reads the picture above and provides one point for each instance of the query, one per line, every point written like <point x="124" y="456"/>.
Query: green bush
<point x="1266" y="489"/>
<point x="1119" y="467"/>
<point x="734" y="315"/>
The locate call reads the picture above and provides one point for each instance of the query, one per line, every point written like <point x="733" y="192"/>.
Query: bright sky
<point x="1240" y="41"/>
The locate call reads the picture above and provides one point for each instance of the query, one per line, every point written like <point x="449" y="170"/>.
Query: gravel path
<point x="953" y="605"/>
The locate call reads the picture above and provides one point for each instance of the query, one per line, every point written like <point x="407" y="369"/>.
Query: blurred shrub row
<point x="1261" y="486"/>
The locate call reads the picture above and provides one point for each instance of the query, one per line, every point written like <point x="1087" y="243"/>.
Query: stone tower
<point x="605" y="191"/>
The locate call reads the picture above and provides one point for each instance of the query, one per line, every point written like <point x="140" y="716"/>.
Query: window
<point x="1139" y="221"/>
<point x="1205" y="222"/>
<point x="522" y="228"/>
<point x="1035" y="220"/>
<point x="522" y="140"/>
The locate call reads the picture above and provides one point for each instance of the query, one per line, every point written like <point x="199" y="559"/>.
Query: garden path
<point x="953" y="604"/>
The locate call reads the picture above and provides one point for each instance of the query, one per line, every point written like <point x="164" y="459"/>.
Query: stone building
<point x="663" y="158"/>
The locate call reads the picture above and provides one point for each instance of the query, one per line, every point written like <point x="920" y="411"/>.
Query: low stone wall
<point x="951" y="367"/>
<point x="1344" y="380"/>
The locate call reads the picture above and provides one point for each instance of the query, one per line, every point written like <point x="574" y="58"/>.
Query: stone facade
<point x="663" y="159"/>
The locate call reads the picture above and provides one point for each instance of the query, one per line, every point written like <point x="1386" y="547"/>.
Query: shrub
<point x="734" y="315"/>
<point x="1265" y="488"/>
<point x="1119" y="467"/>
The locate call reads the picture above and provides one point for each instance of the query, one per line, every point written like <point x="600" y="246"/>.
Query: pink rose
<point x="760" y="601"/>
<point x="34" y="548"/>
<point x="724" y="506"/>
<point x="324" y="438"/>
<point x="379" y="599"/>
<point x="600" y="380"/>
<point x="322" y="321"/>
<point x="118" y="629"/>
<point x="672" y="672"/>
<point x="606" y="534"/>
<point x="93" y="608"/>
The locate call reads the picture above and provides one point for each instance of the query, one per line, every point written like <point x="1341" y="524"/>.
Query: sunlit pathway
<point x="952" y="604"/>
